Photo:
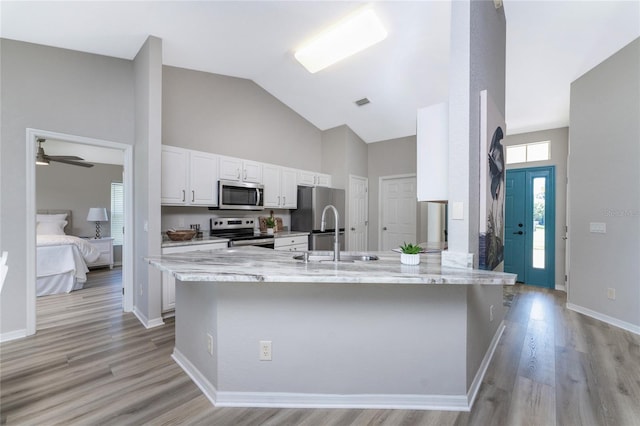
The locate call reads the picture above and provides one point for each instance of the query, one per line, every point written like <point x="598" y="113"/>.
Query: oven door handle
<point x="256" y="242"/>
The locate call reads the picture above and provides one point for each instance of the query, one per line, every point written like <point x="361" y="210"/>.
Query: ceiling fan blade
<point x="63" y="157"/>
<point x="73" y="163"/>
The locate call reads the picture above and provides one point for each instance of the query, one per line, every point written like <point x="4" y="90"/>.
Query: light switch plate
<point x="598" y="227"/>
<point x="457" y="211"/>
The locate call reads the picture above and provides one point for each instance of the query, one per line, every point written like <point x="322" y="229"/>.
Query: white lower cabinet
<point x="169" y="281"/>
<point x="297" y="243"/>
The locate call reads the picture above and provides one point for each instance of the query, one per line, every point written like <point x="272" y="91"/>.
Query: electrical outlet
<point x="490" y="313"/>
<point x="210" y="344"/>
<point x="265" y="350"/>
<point x="611" y="293"/>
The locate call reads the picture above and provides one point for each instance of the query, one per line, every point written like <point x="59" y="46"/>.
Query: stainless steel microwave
<point x="240" y="195"/>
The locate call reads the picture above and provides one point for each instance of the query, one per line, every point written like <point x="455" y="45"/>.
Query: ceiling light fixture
<point x="351" y="35"/>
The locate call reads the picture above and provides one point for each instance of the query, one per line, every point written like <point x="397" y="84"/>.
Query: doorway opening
<point x="530" y="225"/>
<point x="125" y="152"/>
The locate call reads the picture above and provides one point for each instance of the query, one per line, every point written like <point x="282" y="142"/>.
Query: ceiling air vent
<point x="362" y="101"/>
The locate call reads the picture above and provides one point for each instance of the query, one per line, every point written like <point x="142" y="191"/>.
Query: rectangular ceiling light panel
<point x="348" y="37"/>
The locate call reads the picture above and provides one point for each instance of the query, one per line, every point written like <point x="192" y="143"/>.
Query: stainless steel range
<point x="240" y="231"/>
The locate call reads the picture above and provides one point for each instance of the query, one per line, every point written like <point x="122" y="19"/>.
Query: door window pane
<point x="539" y="184"/>
<point x="538" y="151"/>
<point x="516" y="154"/>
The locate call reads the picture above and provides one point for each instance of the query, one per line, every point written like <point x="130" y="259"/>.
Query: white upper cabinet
<point x="174" y="175"/>
<point x="289" y="189"/>
<point x="280" y="187"/>
<point x="189" y="177"/>
<point x="306" y="178"/>
<point x="203" y="178"/>
<point x="432" y="153"/>
<point x="240" y="170"/>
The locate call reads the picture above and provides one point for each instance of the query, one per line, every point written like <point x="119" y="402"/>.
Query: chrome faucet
<point x="336" y="236"/>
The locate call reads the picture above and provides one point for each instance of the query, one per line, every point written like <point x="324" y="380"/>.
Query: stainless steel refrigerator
<point x="307" y="217"/>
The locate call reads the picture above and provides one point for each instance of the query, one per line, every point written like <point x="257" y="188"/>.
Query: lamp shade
<point x="97" y="214"/>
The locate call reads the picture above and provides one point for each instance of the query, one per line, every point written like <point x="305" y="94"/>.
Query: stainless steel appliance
<point x="307" y="217"/>
<point x="240" y="231"/>
<point x="240" y="195"/>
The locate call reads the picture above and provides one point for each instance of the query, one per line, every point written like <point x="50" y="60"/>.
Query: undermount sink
<point x="327" y="256"/>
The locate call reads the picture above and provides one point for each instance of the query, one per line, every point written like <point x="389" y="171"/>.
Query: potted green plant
<point x="271" y="224"/>
<point x="410" y="254"/>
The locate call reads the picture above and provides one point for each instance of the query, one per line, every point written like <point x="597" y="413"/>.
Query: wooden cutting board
<point x="263" y="224"/>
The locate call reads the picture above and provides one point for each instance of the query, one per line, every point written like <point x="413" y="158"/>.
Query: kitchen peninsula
<point x="255" y="327"/>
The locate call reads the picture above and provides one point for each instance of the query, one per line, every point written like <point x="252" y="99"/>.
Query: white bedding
<point x="61" y="263"/>
<point x="87" y="250"/>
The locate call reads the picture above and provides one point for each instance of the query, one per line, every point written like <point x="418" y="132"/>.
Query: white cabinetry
<point x="169" y="281"/>
<point x="240" y="170"/>
<point x="174" y="175"/>
<point x="280" y="187"/>
<point x="297" y="243"/>
<point x="306" y="178"/>
<point x="189" y="177"/>
<point x="105" y="247"/>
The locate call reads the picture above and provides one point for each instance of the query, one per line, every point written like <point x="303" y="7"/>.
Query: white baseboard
<point x="203" y="384"/>
<point x="13" y="335"/>
<point x="307" y="400"/>
<point x="484" y="365"/>
<point x="156" y="322"/>
<point x="605" y="318"/>
<point x="561" y="287"/>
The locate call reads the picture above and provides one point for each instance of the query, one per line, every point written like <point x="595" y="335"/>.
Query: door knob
<point x="384" y="229"/>
<point x="520" y="225"/>
<point x="518" y="233"/>
<point x="353" y="229"/>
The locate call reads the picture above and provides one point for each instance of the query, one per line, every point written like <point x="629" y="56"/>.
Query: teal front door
<point x="529" y="249"/>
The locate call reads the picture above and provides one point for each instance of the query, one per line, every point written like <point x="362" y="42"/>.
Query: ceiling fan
<point x="44" y="159"/>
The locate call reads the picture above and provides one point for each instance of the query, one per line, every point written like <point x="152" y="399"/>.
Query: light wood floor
<point x="91" y="364"/>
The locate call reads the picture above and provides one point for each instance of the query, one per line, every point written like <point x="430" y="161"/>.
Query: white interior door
<point x="358" y="213"/>
<point x="398" y="211"/>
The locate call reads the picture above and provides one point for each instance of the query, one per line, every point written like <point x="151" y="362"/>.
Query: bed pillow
<point x="51" y="228"/>
<point x="51" y="217"/>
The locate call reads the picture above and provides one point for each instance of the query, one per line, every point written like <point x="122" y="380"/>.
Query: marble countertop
<point x="287" y="234"/>
<point x="255" y="264"/>
<point x="206" y="239"/>
<point x="203" y="240"/>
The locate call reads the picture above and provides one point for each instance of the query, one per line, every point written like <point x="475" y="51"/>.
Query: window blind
<point x="117" y="213"/>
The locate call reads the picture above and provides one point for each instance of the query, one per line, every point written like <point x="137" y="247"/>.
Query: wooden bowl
<point x="181" y="235"/>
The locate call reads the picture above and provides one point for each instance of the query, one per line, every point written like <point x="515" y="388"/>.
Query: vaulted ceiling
<point x="549" y="44"/>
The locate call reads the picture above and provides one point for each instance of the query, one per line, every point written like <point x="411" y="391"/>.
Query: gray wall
<point x="559" y="140"/>
<point x="387" y="158"/>
<point x="478" y="40"/>
<point x="56" y="90"/>
<point x="147" y="172"/>
<point x="344" y="154"/>
<point x="604" y="177"/>
<point x="235" y="117"/>
<point x="60" y="186"/>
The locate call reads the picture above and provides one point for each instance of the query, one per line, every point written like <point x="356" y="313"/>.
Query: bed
<point x="61" y="259"/>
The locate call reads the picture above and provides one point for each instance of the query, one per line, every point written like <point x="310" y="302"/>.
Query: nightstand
<point x="105" y="247"/>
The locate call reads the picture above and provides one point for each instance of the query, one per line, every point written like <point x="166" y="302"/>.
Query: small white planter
<point x="410" y="259"/>
<point x="270" y="231"/>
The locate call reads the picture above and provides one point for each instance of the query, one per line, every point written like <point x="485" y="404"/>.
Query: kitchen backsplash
<point x="182" y="217"/>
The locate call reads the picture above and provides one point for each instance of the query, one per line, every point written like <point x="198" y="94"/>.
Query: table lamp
<point x="97" y="215"/>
